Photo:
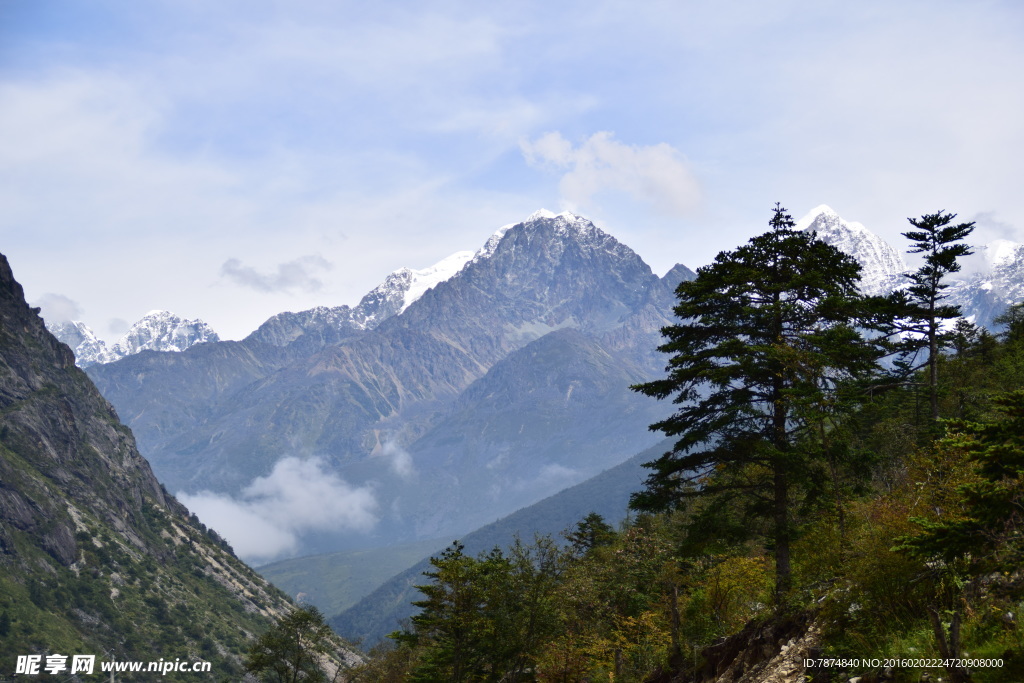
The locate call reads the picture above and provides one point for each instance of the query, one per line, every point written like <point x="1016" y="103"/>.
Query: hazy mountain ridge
<point x="219" y="415"/>
<point x="607" y="494"/>
<point x="378" y="396"/>
<point x="982" y="296"/>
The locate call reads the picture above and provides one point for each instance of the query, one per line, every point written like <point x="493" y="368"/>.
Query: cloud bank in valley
<point x="269" y="517"/>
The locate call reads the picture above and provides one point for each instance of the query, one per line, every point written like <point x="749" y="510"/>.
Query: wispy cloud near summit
<point x="655" y="174"/>
<point x="297" y="274"/>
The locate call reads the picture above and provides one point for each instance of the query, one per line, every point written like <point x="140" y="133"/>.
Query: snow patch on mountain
<point x="882" y="266"/>
<point x="422" y="280"/>
<point x="1000" y="252"/>
<point x="983" y="295"/>
<point x="87" y="347"/>
<point x="163" y="331"/>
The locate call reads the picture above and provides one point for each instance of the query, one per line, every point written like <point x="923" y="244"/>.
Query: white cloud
<point x="296" y="274"/>
<point x="399" y="459"/>
<point x="655" y="174"/>
<point x="550" y="478"/>
<point x="57" y="308"/>
<point x="270" y="516"/>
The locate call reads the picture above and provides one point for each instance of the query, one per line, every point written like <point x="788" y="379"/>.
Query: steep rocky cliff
<point x="95" y="556"/>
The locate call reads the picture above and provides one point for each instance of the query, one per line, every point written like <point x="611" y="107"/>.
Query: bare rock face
<point x="57" y="426"/>
<point x="94" y="555"/>
<point x="770" y="651"/>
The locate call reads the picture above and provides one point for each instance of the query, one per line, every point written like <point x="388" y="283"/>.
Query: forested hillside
<point x="854" y="537"/>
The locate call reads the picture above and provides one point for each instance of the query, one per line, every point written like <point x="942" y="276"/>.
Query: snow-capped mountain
<point x="997" y="280"/>
<point x="155" y="331"/>
<point x="399" y="290"/>
<point x="88" y="348"/>
<point x="983" y="295"/>
<point x="882" y="265"/>
<point x="163" y="331"/>
<point x="404" y="286"/>
<point x="509" y="366"/>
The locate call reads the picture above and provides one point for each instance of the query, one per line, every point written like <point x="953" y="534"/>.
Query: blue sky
<point x="321" y="145"/>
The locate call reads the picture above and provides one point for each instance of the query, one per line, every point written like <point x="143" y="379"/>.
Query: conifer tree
<point x="941" y="244"/>
<point x="768" y="333"/>
<point x="292" y="651"/>
<point x="991" y="532"/>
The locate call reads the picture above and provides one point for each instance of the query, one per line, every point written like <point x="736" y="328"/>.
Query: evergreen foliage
<point x="942" y="245"/>
<point x="990" y="528"/>
<point x="293" y="650"/>
<point x="483" y="617"/>
<point x="920" y="561"/>
<point x="769" y="333"/>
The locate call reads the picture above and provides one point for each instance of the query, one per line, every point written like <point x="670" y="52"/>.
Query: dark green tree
<point x="293" y="650"/>
<point x="988" y="534"/>
<point x="590" y="532"/>
<point x="941" y="244"/>
<point x="449" y="628"/>
<point x="769" y="333"/>
<point x="991" y="532"/>
<point x="1012" y="322"/>
<point x="483" y="618"/>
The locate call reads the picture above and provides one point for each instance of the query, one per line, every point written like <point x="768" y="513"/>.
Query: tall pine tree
<point x="941" y="243"/>
<point x="768" y="333"/>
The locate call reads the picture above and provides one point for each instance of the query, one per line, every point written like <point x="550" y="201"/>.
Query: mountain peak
<point x="823" y="218"/>
<point x="567" y="218"/>
<point x="158" y="330"/>
<point x="882" y="265"/>
<point x="999" y="252"/>
<point x="540" y="213"/>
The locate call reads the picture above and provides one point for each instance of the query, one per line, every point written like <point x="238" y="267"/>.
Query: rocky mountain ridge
<point x="882" y="265"/>
<point x="489" y="378"/>
<point x="478" y="395"/>
<point x="95" y="556"/>
<point x="983" y="291"/>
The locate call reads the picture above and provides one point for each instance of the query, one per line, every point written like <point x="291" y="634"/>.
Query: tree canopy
<point x="769" y="333"/>
<point x="292" y="651"/>
<point x="941" y="243"/>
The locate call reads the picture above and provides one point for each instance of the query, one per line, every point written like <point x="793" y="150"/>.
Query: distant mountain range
<point x="450" y="395"/>
<point x="504" y="382"/>
<point x="156" y="331"/>
<point x="981" y="295"/>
